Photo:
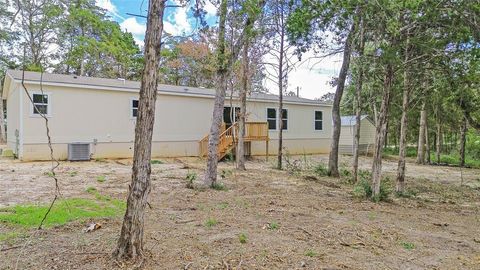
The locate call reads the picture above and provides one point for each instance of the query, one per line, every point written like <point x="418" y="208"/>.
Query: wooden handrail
<point x="254" y="131"/>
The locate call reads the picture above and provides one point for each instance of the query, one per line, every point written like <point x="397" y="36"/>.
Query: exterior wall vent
<point x="78" y="151"/>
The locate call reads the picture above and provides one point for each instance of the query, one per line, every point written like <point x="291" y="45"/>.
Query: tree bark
<point x="381" y="131"/>
<point x="130" y="243"/>
<point x="243" y="110"/>
<point x="280" y="98"/>
<point x="333" y="157"/>
<point x="421" y="136"/>
<point x="427" y="143"/>
<point x="358" y="99"/>
<point x="221" y="84"/>
<point x="400" y="185"/>
<point x="463" y="141"/>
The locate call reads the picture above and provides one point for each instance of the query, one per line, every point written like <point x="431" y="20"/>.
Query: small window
<point x="134" y="107"/>
<point x="272" y="118"/>
<point x="40" y="104"/>
<point x="284" y="119"/>
<point x="318" y="120"/>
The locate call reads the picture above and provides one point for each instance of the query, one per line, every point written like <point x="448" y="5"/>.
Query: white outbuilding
<point x="347" y="135"/>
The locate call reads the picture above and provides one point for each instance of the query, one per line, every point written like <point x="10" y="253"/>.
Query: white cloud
<point x="110" y="7"/>
<point x="177" y="23"/>
<point x="210" y="8"/>
<point x="133" y="26"/>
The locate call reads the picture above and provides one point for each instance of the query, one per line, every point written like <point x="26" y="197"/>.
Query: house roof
<point x="126" y="85"/>
<point x="350" y="120"/>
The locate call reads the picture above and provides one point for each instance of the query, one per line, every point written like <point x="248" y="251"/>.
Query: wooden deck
<point x="254" y="131"/>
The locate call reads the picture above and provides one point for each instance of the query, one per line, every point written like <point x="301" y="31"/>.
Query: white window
<point x="134" y="107"/>
<point x="318" y="120"/>
<point x="272" y="118"/>
<point x="41" y="104"/>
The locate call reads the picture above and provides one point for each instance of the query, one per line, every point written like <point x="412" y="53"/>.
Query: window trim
<point x="131" y="107"/>
<point x="49" y="103"/>
<point x="315" y="121"/>
<point x="267" y="118"/>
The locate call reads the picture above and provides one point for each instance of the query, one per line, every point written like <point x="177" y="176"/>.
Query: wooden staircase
<point x="254" y="131"/>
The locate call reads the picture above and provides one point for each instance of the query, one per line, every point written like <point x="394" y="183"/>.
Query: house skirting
<point x="41" y="151"/>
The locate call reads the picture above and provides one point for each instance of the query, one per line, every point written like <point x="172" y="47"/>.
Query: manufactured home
<point x="95" y="118"/>
<point x="347" y="135"/>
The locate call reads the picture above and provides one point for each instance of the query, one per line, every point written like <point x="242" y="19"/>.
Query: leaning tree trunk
<point x="381" y="131"/>
<point x="130" y="243"/>
<point x="421" y="136"/>
<point x="358" y="100"/>
<point x="400" y="186"/>
<point x="221" y="84"/>
<point x="342" y="77"/>
<point x="463" y="141"/>
<point x="243" y="110"/>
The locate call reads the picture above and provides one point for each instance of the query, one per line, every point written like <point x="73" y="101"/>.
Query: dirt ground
<point x="321" y="225"/>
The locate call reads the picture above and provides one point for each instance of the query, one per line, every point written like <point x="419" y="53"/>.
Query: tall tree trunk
<point x="280" y="98"/>
<point x="438" y="146"/>
<point x="212" y="158"/>
<point x="463" y="141"/>
<point x="381" y="131"/>
<point x="342" y="77"/>
<point x="421" y="136"/>
<point x="130" y="243"/>
<point x="400" y="186"/>
<point x="358" y="99"/>
<point x="243" y="110"/>
<point x="427" y="143"/>
<point x="3" y="135"/>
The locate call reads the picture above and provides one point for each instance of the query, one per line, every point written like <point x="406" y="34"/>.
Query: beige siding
<point x="103" y="118"/>
<point x="13" y="118"/>
<point x="367" y="137"/>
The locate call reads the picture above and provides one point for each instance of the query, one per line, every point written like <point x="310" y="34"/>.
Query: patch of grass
<point x="242" y="238"/>
<point x="63" y="211"/>
<point x="222" y="206"/>
<point x="191" y="176"/>
<point x="406" y="194"/>
<point x="101" y="178"/>
<point x="156" y="161"/>
<point x="9" y="237"/>
<point x="226" y="173"/>
<point x="408" y="245"/>
<point x="73" y="173"/>
<point x="321" y="170"/>
<point x="91" y="190"/>
<point x="311" y="253"/>
<point x="211" y="222"/>
<point x="100" y="160"/>
<point x="49" y="173"/>
<point x="219" y="186"/>
<point x="273" y="226"/>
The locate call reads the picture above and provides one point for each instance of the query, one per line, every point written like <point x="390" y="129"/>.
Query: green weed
<point x="191" y="176"/>
<point x="219" y="186"/>
<point x="242" y="238"/>
<point x="408" y="245"/>
<point x="321" y="170"/>
<point x="101" y="178"/>
<point x="311" y="253"/>
<point x="273" y="226"/>
<point x="156" y="161"/>
<point x="211" y="222"/>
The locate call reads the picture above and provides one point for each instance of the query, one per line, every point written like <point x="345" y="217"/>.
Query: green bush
<point x="363" y="189"/>
<point x="321" y="170"/>
<point x="191" y="176"/>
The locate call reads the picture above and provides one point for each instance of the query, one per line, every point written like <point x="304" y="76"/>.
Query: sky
<point x="311" y="77"/>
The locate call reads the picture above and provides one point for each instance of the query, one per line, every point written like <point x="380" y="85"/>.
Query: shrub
<point x="191" y="176"/>
<point x="363" y="189"/>
<point x="219" y="186"/>
<point x="321" y="170"/>
<point x="242" y="238"/>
